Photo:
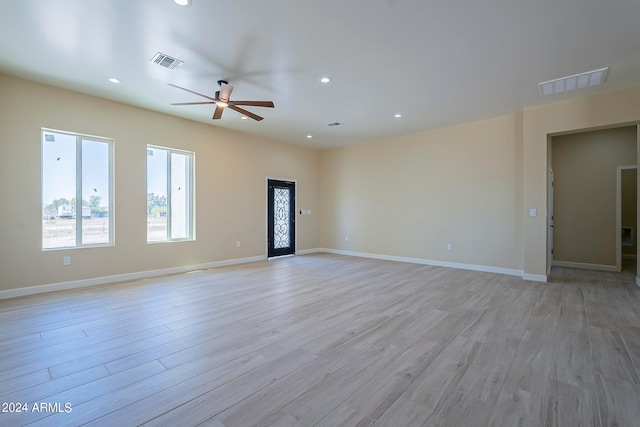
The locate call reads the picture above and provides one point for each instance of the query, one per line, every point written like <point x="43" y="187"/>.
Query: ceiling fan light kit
<point x="223" y="100"/>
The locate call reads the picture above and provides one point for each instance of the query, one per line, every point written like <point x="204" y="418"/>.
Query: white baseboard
<point x="75" y="284"/>
<point x="83" y="283"/>
<point x="474" y="267"/>
<point x="535" y="277"/>
<point x="586" y="266"/>
<point x="308" y="251"/>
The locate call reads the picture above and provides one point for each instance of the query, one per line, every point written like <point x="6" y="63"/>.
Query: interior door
<point x="281" y="217"/>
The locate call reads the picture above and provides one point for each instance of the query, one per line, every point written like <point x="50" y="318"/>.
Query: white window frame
<point x="191" y="184"/>
<point x="78" y="196"/>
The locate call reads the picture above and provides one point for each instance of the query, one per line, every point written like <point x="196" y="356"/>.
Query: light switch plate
<point x="533" y="212"/>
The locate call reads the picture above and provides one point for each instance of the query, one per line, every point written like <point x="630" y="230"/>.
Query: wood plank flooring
<point x="327" y="340"/>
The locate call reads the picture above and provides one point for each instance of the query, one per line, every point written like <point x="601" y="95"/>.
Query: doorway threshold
<point x="280" y="256"/>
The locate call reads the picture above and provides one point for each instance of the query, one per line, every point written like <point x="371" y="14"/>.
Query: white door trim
<point x="619" y="214"/>
<point x="550" y="181"/>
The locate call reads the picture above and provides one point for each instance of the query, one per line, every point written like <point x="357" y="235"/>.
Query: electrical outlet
<point x="346" y="238"/>
<point x="449" y="247"/>
<point x="238" y="244"/>
<point x="66" y="260"/>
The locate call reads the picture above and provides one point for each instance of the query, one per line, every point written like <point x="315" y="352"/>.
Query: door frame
<point x="550" y="189"/>
<point x="266" y="215"/>
<point x="619" y="214"/>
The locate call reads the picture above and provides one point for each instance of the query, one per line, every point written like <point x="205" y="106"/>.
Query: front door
<point x="281" y="211"/>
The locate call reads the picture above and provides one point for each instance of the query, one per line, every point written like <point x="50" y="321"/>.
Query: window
<point x="169" y="194"/>
<point x="76" y="190"/>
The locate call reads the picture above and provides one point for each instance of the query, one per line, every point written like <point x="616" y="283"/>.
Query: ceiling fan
<point x="222" y="101"/>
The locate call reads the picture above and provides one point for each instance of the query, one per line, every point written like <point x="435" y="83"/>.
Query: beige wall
<point x="470" y="185"/>
<point x="410" y="196"/>
<point x="231" y="171"/>
<point x="585" y="167"/>
<point x="539" y="123"/>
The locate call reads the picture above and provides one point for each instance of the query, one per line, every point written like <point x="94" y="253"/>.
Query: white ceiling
<point x="436" y="62"/>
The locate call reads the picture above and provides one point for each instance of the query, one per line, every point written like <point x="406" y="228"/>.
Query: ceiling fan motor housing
<point x="222" y="101"/>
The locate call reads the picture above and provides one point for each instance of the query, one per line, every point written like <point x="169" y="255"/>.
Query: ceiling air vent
<point x="166" y="61"/>
<point x="334" y="124"/>
<point x="574" y="82"/>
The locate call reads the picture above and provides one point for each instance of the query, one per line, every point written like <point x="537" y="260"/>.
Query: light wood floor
<point x="326" y="340"/>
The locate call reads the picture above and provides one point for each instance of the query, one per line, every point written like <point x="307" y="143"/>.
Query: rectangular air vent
<point x="334" y="124"/>
<point x="166" y="61"/>
<point x="574" y="82"/>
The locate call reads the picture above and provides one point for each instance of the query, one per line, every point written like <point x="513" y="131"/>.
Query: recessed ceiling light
<point x="309" y="136"/>
<point x="576" y="81"/>
<point x="325" y="79"/>
<point x="113" y="80"/>
<point x="397" y="115"/>
<point x="244" y="117"/>
<point x="182" y="2"/>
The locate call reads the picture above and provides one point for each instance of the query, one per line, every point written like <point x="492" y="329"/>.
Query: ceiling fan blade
<point x="190" y="91"/>
<point x="218" y="113"/>
<point x="225" y="91"/>
<point x="246" y="113"/>
<point x="268" y="104"/>
<point x="192" y="103"/>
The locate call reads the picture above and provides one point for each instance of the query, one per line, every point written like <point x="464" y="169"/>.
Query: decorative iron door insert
<point x="281" y="239"/>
